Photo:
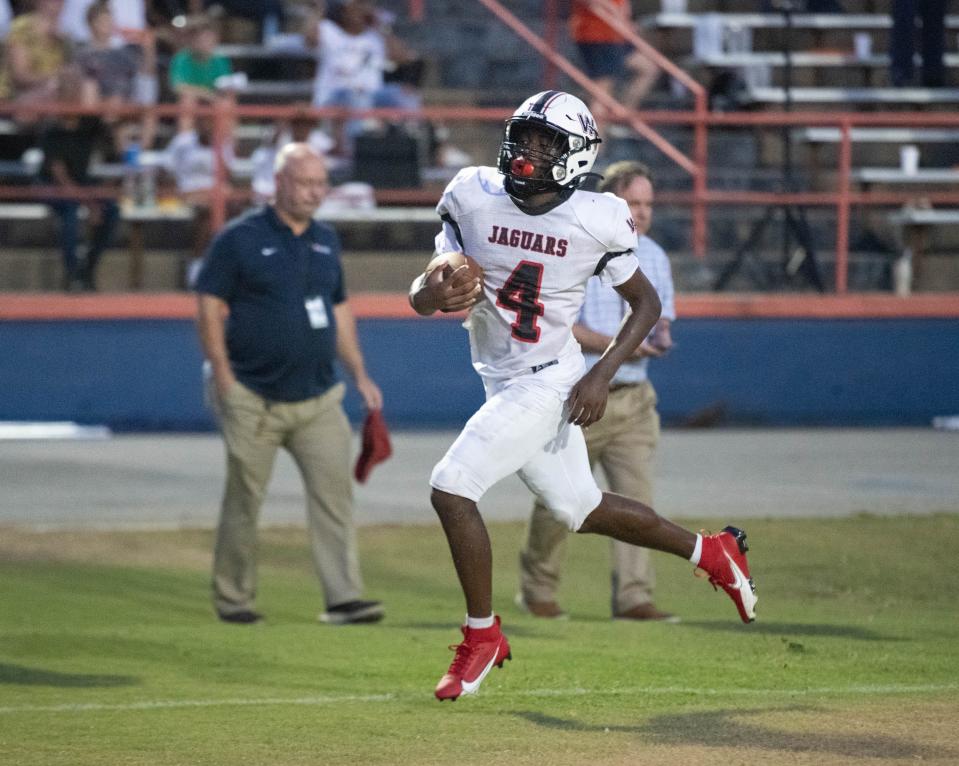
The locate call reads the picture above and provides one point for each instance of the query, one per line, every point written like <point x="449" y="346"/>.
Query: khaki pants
<point x="623" y="443"/>
<point x="317" y="434"/>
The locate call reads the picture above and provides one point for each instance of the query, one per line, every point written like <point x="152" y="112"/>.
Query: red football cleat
<point x="475" y="657"/>
<point x="723" y="559"/>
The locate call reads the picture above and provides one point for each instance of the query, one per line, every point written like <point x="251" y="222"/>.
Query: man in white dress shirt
<point x="624" y="441"/>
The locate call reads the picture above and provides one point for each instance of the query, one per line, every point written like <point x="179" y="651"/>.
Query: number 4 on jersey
<point x="521" y="294"/>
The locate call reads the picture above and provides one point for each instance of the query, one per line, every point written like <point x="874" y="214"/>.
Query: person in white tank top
<point x="538" y="240"/>
<point x="351" y="64"/>
<point x="353" y="53"/>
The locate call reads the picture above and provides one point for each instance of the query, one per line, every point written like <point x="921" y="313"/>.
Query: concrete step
<point x="40" y="270"/>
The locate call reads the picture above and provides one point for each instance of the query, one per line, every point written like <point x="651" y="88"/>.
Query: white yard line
<point x="854" y="689"/>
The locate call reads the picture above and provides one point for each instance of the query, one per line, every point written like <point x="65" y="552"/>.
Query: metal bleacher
<point x="806" y="21"/>
<point x="843" y="97"/>
<point x="831" y="73"/>
<point x="812" y="59"/>
<point x="879" y="135"/>
<point x="741" y="158"/>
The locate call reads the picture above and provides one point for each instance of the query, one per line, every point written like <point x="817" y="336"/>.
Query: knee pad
<point x="456" y="479"/>
<point x="572" y="510"/>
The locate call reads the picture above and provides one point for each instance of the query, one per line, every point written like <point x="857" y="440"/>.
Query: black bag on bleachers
<point x="14" y="142"/>
<point x="387" y="159"/>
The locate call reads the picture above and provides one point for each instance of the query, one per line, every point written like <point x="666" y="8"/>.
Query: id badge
<point x="316" y="311"/>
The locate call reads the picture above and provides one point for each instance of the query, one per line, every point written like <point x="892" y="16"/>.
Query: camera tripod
<point x="795" y="227"/>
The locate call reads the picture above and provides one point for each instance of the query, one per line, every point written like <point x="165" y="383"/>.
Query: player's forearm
<point x="646" y="308"/>
<point x="590" y="341"/>
<point x="645" y="314"/>
<point x="623" y="346"/>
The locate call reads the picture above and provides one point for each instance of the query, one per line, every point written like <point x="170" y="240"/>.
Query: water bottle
<point x="148" y="185"/>
<point x="131" y="174"/>
<point x="902" y="274"/>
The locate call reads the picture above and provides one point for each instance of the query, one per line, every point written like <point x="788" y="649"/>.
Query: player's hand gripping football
<point x="587" y="399"/>
<point x="458" y="289"/>
<point x="452" y="282"/>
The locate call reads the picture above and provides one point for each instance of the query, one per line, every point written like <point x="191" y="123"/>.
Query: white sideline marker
<point x="12" y="430"/>
<point x="946" y="423"/>
<point x="863" y="689"/>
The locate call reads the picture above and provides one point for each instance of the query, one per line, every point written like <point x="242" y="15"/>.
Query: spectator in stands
<point x="608" y="58"/>
<point x="404" y="69"/>
<point x="34" y="57"/>
<point x="129" y="16"/>
<point x="195" y="70"/>
<point x="269" y="15"/>
<point x="902" y="42"/>
<point x="353" y="54"/>
<point x="68" y="145"/>
<point x="112" y="70"/>
<point x="191" y="159"/>
<point x="301" y="129"/>
<point x="802" y="6"/>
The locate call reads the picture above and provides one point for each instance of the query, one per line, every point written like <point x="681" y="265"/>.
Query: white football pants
<point x="522" y="429"/>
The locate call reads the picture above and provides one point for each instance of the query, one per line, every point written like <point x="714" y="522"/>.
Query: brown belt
<point x="620" y="386"/>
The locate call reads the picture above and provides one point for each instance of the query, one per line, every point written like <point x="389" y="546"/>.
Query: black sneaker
<point x="353" y="613"/>
<point x="243" y="617"/>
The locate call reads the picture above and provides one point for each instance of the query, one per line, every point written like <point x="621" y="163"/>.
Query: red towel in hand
<point x="376" y="445"/>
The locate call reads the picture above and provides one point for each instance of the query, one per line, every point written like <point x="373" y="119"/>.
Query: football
<point x="436" y="271"/>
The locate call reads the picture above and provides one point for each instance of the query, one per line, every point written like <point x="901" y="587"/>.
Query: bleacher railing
<point x="695" y="165"/>
<point x="844" y="198"/>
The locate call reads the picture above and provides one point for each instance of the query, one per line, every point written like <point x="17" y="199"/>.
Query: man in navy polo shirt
<point x="273" y="317"/>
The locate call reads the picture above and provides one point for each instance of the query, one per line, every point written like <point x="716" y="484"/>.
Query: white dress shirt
<point x="603" y="309"/>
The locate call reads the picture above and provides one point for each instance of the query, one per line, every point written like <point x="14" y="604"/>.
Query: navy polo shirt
<point x="281" y="290"/>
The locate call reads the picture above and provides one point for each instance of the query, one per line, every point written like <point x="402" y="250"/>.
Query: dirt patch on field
<point x="175" y="549"/>
<point x="180" y="549"/>
<point x="895" y="730"/>
<point x="183" y="549"/>
<point x="876" y="734"/>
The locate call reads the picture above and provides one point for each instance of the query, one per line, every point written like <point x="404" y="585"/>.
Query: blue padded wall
<point x="145" y="374"/>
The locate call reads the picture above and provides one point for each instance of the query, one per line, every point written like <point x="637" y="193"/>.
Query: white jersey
<point x="348" y="62"/>
<point x="535" y="267"/>
<point x="192" y="163"/>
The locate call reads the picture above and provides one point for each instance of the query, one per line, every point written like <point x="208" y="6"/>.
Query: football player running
<point x="538" y="239"/>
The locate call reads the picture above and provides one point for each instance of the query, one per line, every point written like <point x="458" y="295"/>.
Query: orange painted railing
<point x="608" y="12"/>
<point x="844" y="198"/>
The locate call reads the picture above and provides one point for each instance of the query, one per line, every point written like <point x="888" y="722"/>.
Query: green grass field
<point x="111" y="656"/>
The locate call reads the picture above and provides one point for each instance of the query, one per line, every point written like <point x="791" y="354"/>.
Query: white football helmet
<point x="564" y="161"/>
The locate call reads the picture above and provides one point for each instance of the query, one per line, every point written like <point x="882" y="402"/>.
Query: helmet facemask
<point x="533" y="156"/>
